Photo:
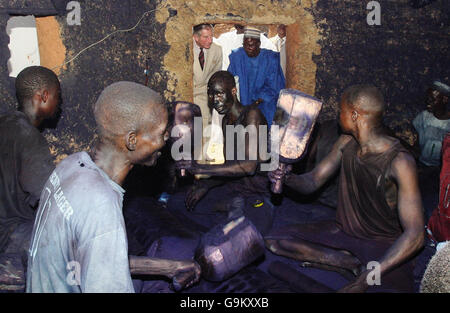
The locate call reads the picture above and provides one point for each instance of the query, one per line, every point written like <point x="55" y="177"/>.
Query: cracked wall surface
<point x="330" y="46"/>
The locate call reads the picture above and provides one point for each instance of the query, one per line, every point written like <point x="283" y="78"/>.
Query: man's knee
<point x="272" y="245"/>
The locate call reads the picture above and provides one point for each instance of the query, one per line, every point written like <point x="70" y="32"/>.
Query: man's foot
<point x="347" y="274"/>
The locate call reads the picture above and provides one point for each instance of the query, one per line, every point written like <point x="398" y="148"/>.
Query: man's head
<point x="203" y="35"/>
<point x="281" y="30"/>
<point x="221" y="91"/>
<point x="132" y="118"/>
<point x="239" y="28"/>
<point x="38" y="93"/>
<point x="437" y="97"/>
<point x="361" y="103"/>
<point x="252" y="41"/>
<point x="184" y="114"/>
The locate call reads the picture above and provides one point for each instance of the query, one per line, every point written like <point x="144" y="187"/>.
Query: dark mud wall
<point x="120" y="57"/>
<point x="332" y="47"/>
<point x="401" y="56"/>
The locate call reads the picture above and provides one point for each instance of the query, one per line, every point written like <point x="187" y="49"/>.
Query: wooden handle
<point x="277" y="186"/>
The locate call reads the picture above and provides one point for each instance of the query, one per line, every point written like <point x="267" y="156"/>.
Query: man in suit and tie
<point x="207" y="61"/>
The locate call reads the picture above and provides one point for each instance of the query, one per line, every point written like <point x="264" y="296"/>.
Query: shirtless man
<point x="222" y="98"/>
<point x="379" y="215"/>
<point x="79" y="242"/>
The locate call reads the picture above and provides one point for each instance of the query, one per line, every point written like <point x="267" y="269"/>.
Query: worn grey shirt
<point x="79" y="241"/>
<point x="431" y="134"/>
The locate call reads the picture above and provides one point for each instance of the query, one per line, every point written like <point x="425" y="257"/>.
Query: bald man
<point x="222" y="97"/>
<point x="79" y="243"/>
<point x="379" y="215"/>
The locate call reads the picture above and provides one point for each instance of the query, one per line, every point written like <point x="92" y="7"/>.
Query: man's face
<point x="252" y="46"/>
<point x="184" y="116"/>
<point x="204" y="39"/>
<point x="151" y="138"/>
<point x="220" y="97"/>
<point x="434" y="100"/>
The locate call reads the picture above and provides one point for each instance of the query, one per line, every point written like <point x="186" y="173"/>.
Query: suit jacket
<point x="213" y="63"/>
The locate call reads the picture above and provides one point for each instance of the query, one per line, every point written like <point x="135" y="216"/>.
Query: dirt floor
<point x="173" y="232"/>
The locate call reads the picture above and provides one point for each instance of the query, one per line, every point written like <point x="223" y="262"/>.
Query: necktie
<point x="201" y="58"/>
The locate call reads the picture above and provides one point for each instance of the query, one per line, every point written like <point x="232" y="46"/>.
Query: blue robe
<point x="259" y="77"/>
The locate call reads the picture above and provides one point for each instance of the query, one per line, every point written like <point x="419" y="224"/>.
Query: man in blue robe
<point x="260" y="74"/>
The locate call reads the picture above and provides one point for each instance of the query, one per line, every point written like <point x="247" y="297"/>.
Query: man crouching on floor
<point x="379" y="225"/>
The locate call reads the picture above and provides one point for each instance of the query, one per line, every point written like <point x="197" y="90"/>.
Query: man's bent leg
<point x="316" y="254"/>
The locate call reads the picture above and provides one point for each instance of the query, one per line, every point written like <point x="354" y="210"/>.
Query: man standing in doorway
<point x="207" y="61"/>
<point x="259" y="72"/>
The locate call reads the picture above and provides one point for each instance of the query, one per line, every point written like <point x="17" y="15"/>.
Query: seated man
<point x="433" y="123"/>
<point x="279" y="40"/>
<point x="222" y="98"/>
<point x="379" y="215"/>
<point x="79" y="243"/>
<point x="260" y="74"/>
<point x="25" y="161"/>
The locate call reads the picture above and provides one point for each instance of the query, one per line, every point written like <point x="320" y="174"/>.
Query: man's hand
<point x="194" y="195"/>
<point x="186" y="274"/>
<point x="359" y="285"/>
<point x="188" y="165"/>
<point x="279" y="174"/>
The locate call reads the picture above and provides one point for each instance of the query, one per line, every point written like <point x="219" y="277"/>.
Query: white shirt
<point x="280" y="44"/>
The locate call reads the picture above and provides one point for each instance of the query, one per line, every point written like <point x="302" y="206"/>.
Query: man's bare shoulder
<point x="254" y="116"/>
<point x="342" y="141"/>
<point x="402" y="163"/>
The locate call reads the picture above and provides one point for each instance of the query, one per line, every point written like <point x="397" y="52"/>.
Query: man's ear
<point x="354" y="115"/>
<point x="131" y="140"/>
<point x="39" y="97"/>
<point x="234" y="91"/>
<point x="44" y="95"/>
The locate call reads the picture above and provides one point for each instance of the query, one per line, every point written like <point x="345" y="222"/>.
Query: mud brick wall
<point x="330" y="46"/>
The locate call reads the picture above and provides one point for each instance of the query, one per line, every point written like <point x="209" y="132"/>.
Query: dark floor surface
<point x="173" y="232"/>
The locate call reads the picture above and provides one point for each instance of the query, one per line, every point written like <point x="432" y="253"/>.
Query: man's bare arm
<point x="410" y="213"/>
<point x="313" y="180"/>
<point x="235" y="168"/>
<point x="183" y="273"/>
<point x="228" y="169"/>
